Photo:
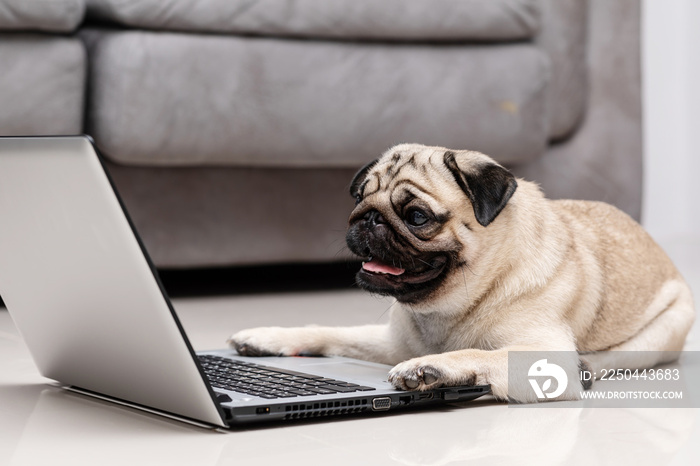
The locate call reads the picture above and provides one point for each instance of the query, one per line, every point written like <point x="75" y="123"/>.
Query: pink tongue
<point x="379" y="267"/>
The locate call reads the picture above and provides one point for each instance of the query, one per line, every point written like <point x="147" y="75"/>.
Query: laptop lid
<point x="80" y="287"/>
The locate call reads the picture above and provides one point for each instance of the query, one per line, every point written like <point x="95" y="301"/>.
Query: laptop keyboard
<point x="269" y="382"/>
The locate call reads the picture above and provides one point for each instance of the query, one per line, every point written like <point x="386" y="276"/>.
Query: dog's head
<point x="419" y="210"/>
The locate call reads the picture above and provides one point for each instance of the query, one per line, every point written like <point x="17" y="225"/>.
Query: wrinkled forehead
<point x="413" y="169"/>
<point x="404" y="173"/>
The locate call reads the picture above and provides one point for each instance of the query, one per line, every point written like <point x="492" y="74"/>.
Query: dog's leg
<point x="479" y="367"/>
<point x="660" y="341"/>
<point x="370" y="343"/>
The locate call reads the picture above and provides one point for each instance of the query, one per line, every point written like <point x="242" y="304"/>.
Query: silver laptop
<point x="87" y="300"/>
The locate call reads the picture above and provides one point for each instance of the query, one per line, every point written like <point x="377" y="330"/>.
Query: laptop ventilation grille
<point x="333" y="408"/>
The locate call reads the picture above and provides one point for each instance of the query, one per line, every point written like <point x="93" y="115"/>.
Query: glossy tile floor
<point x="43" y="424"/>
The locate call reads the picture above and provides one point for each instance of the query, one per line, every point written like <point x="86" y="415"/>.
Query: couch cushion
<point x="360" y="19"/>
<point x="45" y="15"/>
<point x="42" y="85"/>
<point x="180" y="99"/>
<point x="563" y="37"/>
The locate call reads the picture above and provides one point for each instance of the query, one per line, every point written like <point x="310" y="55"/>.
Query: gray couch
<point x="233" y="127"/>
<point x="42" y="67"/>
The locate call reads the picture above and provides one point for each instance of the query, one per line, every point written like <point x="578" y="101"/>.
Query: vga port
<point x="381" y="403"/>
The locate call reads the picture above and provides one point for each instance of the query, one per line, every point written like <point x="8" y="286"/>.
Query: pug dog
<point x="481" y="264"/>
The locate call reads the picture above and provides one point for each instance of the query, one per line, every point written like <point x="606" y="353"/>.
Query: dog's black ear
<point x="488" y="186"/>
<point x="359" y="178"/>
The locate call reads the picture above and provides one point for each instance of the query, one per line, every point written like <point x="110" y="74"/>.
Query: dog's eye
<point x="416" y="217"/>
<point x="358" y="199"/>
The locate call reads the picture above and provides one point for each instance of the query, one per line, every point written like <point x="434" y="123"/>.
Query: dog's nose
<point x="373" y="217"/>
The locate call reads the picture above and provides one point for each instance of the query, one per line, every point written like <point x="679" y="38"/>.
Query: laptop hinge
<point x="172" y="416"/>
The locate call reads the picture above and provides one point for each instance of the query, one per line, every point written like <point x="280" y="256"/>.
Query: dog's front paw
<point x="415" y="377"/>
<point x="426" y="373"/>
<point x="264" y="341"/>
